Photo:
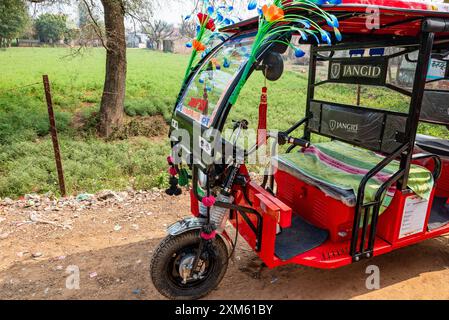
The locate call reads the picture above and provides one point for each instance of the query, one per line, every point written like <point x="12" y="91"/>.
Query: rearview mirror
<point x="273" y="66"/>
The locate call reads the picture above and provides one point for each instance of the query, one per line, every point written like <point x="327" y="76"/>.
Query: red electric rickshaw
<point x="374" y="185"/>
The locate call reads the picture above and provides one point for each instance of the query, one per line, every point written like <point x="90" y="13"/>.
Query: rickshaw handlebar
<point x="298" y="142"/>
<point x="284" y="138"/>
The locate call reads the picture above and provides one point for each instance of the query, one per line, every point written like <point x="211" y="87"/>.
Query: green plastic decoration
<point x="209" y="20"/>
<point x="288" y="16"/>
<point x="183" y="178"/>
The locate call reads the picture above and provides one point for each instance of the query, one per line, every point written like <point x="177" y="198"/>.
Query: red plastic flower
<point x="203" y="18"/>
<point x="211" y="25"/>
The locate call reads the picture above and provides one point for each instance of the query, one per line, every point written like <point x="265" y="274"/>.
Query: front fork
<point x="208" y="235"/>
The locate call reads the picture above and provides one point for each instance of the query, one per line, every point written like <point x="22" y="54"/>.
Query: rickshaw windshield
<point x="208" y="87"/>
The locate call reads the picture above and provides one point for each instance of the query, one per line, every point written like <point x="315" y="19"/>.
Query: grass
<point x="92" y="164"/>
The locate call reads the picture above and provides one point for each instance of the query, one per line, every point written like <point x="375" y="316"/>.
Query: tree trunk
<point x="113" y="99"/>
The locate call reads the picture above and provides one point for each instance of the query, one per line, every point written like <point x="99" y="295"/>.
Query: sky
<point x="171" y="11"/>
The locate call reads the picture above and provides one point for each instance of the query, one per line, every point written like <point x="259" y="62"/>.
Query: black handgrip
<point x="298" y="142"/>
<point x="283" y="138"/>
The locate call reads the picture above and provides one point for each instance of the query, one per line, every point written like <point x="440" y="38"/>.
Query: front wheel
<point x="171" y="266"/>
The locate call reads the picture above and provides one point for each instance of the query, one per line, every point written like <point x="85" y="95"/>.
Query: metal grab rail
<point x="437" y="160"/>
<point x="360" y="206"/>
<point x="368" y="252"/>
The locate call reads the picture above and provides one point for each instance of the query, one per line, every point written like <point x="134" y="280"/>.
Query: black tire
<point x="162" y="267"/>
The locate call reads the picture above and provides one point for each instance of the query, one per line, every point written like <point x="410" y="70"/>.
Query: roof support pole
<point x="422" y="68"/>
<point x="311" y="86"/>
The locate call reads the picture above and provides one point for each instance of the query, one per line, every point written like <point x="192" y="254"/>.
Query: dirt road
<point x="112" y="246"/>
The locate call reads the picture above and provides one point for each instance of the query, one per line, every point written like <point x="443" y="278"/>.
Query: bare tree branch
<point x="96" y="27"/>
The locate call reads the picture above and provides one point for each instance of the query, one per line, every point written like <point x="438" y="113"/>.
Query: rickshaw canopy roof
<point x="398" y="18"/>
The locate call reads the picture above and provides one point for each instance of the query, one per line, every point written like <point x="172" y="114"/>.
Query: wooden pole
<point x="54" y="135"/>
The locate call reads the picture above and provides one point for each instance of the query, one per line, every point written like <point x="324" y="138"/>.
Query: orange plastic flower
<point x="273" y="13"/>
<point x="198" y="46"/>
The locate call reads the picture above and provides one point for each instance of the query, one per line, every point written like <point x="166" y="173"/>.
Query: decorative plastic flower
<point x="215" y="63"/>
<point x="198" y="46"/>
<point x="272" y="13"/>
<point x="281" y="17"/>
<point x="209" y="20"/>
<point x="252" y="5"/>
<point x="299" y="53"/>
<point x="202" y="18"/>
<point x="210" y="25"/>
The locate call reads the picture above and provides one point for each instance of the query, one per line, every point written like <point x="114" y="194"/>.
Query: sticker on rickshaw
<point x="198" y="104"/>
<point x="174" y="124"/>
<point x="205" y="146"/>
<point x="438" y="69"/>
<point x="370" y="71"/>
<point x="414" y="217"/>
<point x="205" y="120"/>
<point x="191" y="113"/>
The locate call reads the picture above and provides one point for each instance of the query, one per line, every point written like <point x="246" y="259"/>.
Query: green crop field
<point x="135" y="156"/>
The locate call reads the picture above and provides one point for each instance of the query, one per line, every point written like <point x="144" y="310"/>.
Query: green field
<point x="91" y="164"/>
<point x="136" y="156"/>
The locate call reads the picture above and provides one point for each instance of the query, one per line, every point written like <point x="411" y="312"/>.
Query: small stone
<point x="135" y="227"/>
<point x="32" y="197"/>
<point x="107" y="195"/>
<point x="3" y="236"/>
<point x="8" y="201"/>
<point x="84" y="197"/>
<point x="37" y="255"/>
<point x="117" y="228"/>
<point x="93" y="275"/>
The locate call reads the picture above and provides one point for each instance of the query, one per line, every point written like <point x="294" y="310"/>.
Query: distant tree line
<point x="14" y="19"/>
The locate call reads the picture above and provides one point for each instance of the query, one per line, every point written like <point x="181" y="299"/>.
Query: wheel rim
<point x="173" y="270"/>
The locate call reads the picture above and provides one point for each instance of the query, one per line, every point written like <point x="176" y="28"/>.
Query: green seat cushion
<point x="338" y="168"/>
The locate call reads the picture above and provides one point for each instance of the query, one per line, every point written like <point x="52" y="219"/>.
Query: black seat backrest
<point x="376" y="130"/>
<point x="435" y="107"/>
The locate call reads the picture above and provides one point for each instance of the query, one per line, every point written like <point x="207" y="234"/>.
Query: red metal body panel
<point x="300" y="199"/>
<point x="397" y="18"/>
<point x="442" y="188"/>
<point x="315" y="206"/>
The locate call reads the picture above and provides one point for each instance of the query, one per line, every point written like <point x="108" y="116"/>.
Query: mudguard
<point x="194" y="223"/>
